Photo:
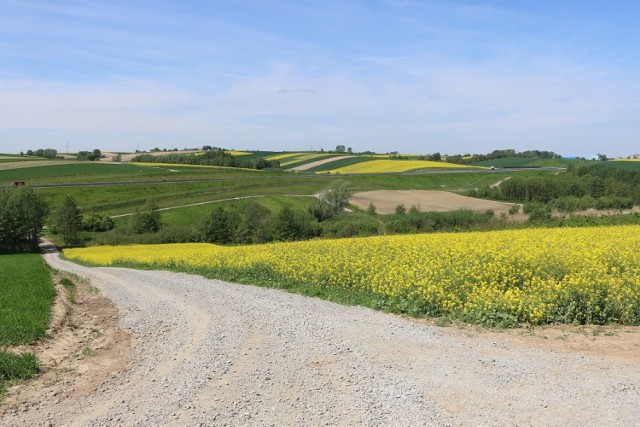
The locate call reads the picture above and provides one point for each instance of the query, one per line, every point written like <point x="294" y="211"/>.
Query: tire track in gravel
<point x="216" y="353"/>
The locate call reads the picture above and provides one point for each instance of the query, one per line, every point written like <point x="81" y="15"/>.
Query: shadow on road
<point x="48" y="247"/>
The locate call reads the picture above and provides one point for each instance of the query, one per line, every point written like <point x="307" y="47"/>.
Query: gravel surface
<point x="216" y="353"/>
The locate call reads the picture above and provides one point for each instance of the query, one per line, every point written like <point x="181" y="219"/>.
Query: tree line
<point x="47" y="153"/>
<point x="501" y="154"/>
<point x="24" y="213"/>
<point x="212" y="157"/>
<point x="592" y="186"/>
<point x="50" y="153"/>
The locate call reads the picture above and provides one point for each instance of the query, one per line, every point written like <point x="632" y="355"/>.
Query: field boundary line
<point x="194" y="204"/>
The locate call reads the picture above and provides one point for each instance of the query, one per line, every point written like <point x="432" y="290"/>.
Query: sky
<point x="412" y="76"/>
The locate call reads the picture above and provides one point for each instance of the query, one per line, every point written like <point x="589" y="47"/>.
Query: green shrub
<point x="97" y="222"/>
<point x="147" y="219"/>
<point x="351" y="226"/>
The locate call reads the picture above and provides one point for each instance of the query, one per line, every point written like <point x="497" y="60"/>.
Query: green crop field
<point x="623" y="164"/>
<point x="120" y="199"/>
<point x="71" y="172"/>
<point x="26" y="295"/>
<point x="340" y="163"/>
<point x="259" y="154"/>
<point x="193" y="214"/>
<point x="17" y="159"/>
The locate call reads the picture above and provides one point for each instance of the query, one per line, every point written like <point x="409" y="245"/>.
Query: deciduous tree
<point x="68" y="221"/>
<point x="22" y="216"/>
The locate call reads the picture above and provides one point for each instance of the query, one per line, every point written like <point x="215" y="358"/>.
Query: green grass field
<point x="17" y="159"/>
<point x="194" y="214"/>
<point x="26" y="295"/>
<point x="259" y="154"/>
<point x="120" y="199"/>
<point x="72" y="172"/>
<point x="623" y="164"/>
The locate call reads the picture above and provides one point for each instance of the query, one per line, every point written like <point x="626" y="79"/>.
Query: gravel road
<point x="216" y="353"/>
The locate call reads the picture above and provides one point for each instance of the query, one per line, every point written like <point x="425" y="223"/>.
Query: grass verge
<point x="26" y="295"/>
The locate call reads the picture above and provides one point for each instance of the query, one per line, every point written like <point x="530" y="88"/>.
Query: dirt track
<point x="214" y="353"/>
<point x="308" y="166"/>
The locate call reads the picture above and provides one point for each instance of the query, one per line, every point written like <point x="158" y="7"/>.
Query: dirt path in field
<point x="213" y="353"/>
<point x="499" y="183"/>
<point x="208" y="202"/>
<point x="308" y="166"/>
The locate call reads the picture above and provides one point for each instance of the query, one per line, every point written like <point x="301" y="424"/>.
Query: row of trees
<point x="343" y="149"/>
<point x="23" y="214"/>
<point x="213" y="157"/>
<point x="96" y="154"/>
<point x="501" y="154"/>
<point x="594" y="186"/>
<point x="48" y="153"/>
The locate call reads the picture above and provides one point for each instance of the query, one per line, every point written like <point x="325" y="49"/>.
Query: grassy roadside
<point x="26" y="295"/>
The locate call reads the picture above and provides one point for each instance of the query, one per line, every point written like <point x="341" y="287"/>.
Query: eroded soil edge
<point x="84" y="349"/>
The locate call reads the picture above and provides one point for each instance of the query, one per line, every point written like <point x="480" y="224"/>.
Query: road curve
<point x="216" y="353"/>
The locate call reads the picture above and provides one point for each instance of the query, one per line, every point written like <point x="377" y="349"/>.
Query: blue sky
<point x="381" y="75"/>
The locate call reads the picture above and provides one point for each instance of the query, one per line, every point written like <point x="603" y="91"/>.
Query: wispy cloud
<point x="421" y="76"/>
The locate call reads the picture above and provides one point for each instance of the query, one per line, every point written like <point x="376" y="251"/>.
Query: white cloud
<point x="441" y="76"/>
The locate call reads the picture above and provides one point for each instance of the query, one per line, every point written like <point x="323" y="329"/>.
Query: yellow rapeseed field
<point x="391" y="166"/>
<point x="586" y="275"/>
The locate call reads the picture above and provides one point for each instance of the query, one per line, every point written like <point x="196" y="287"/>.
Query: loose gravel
<point x="216" y="353"/>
